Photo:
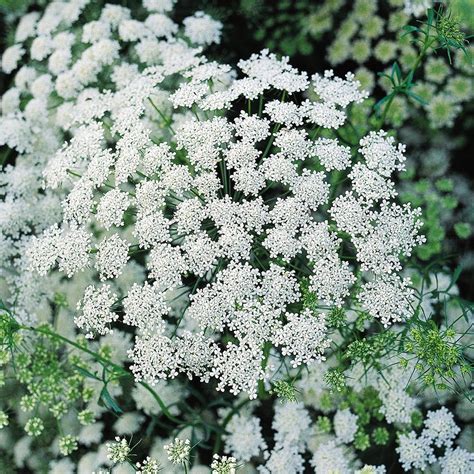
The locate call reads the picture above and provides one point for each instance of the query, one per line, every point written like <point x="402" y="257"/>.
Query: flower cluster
<point x="233" y="205"/>
<point x="67" y="53"/>
<point x="218" y="254"/>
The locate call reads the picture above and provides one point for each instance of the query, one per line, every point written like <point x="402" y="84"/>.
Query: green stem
<point x="105" y="362"/>
<point x="160" y="113"/>
<point x="426" y="46"/>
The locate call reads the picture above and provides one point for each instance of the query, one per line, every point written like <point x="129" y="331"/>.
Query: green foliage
<point x="336" y="318"/>
<point x="380" y="436"/>
<point x="335" y="379"/>
<point x="463" y="229"/>
<point x="285" y="391"/>
<point x="323" y="424"/>
<point x="438" y="354"/>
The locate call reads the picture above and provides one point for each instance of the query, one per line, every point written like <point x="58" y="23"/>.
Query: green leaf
<point x="409" y="78"/>
<point x="396" y="71"/>
<point x="456" y="274"/>
<point x="382" y="101"/>
<point x="109" y="402"/>
<point x="462" y="229"/>
<point x="86" y="373"/>
<point x="417" y="98"/>
<point x="409" y="29"/>
<point x="430" y="15"/>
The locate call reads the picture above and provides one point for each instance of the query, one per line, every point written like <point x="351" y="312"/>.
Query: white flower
<point x="10" y="58"/>
<point x="26" y="26"/>
<point x="153" y="357"/>
<point x="202" y="29"/>
<point x="112" y="255"/>
<point x="283" y="459"/>
<point x="335" y="90"/>
<point x="440" y="427"/>
<point x="223" y="464"/>
<point x="118" y="451"/>
<point x="457" y="461"/>
<point x="380" y="153"/>
<point x="292" y="424"/>
<point x="388" y="298"/>
<point x="111" y="208"/>
<point x="331" y="280"/>
<point x="303" y="337"/>
<point x="331" y="154"/>
<point x="415" y="452"/>
<point x="244" y="437"/>
<point x="144" y="306"/>
<point x="286" y="113"/>
<point x="95" y="314"/>
<point x="345" y="425"/>
<point x="328" y="458"/>
<point x="178" y="451"/>
<point x="397" y="405"/>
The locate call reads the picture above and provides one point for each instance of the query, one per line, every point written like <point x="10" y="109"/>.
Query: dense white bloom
<point x="387" y="298"/>
<point x="26" y="26"/>
<point x="380" y="153"/>
<point x="335" y="90"/>
<point x="244" y="439"/>
<point x="457" y="461"/>
<point x="239" y="368"/>
<point x="202" y="29"/>
<point x="144" y="306"/>
<point x="397" y="405"/>
<point x="416" y="7"/>
<point x="283" y="459"/>
<point x="331" y="280"/>
<point x="95" y="314"/>
<point x="112" y="255"/>
<point x="267" y="69"/>
<point x="153" y="358"/>
<point x="286" y="113"/>
<point x="328" y="458"/>
<point x="160" y="6"/>
<point x="292" y="425"/>
<point x="303" y="337"/>
<point x="331" y="154"/>
<point x="10" y="58"/>
<point x="223" y="208"/>
<point x="440" y="428"/>
<point x="345" y="425"/>
<point x="415" y="452"/>
<point x="112" y="207"/>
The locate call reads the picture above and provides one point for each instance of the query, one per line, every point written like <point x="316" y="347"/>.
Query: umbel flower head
<point x="61" y="59"/>
<point x="119" y="450"/>
<point x="229" y="213"/>
<point x="178" y="451"/>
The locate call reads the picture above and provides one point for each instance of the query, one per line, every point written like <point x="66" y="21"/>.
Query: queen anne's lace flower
<point x="330" y="457"/>
<point x="244" y="437"/>
<point x="440" y="427"/>
<point x="457" y="460"/>
<point x="95" y="314"/>
<point x="415" y="452"/>
<point x="178" y="451"/>
<point x="345" y="425"/>
<point x="302" y="337"/>
<point x="229" y="211"/>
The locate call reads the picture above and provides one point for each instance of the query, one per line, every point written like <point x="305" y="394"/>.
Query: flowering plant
<point x="185" y="241"/>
